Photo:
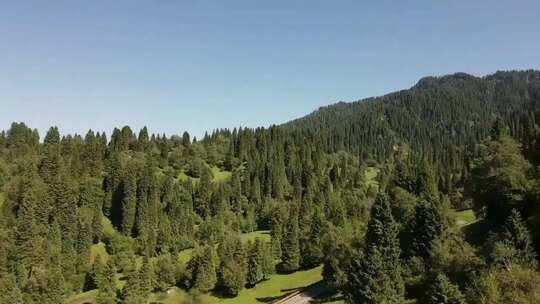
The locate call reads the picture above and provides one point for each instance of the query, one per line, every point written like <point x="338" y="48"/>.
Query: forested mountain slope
<point x="363" y="195"/>
<point x="435" y="114"/>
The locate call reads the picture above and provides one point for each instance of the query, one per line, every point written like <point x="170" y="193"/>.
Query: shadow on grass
<point x="328" y="299"/>
<point x="272" y="299"/>
<point x="221" y="294"/>
<point x="476" y="233"/>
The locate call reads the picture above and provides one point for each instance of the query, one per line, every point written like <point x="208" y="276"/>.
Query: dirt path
<point x="304" y="295"/>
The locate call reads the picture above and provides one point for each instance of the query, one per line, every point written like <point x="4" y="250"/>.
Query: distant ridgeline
<point x="125" y="217"/>
<point x="436" y="118"/>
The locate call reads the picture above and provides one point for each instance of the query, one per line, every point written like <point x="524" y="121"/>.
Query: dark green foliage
<point x="306" y="182"/>
<point x="290" y="244"/>
<point x="514" y="245"/>
<point x="202" y="268"/>
<point x="9" y="290"/>
<point x="375" y="276"/>
<point x="442" y="291"/>
<point x="500" y="178"/>
<point x="107" y="284"/>
<point x="132" y="292"/>
<point x="260" y="262"/>
<point x="426" y="226"/>
<point x="311" y="241"/>
<point x="146" y="278"/>
<point x="233" y="266"/>
<point x="165" y="270"/>
<point x="129" y="200"/>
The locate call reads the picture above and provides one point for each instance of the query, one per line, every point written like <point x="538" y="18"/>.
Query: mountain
<point x="437" y="113"/>
<point x="373" y="190"/>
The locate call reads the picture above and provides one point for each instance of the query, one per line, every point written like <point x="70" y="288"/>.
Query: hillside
<point x="416" y="194"/>
<point x="437" y="113"/>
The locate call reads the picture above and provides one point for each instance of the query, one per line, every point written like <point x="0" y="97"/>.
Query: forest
<point x="425" y="195"/>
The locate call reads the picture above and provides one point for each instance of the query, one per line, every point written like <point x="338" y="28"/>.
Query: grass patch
<point x="185" y="255"/>
<point x="172" y="296"/>
<point x="264" y="235"/>
<point x="85" y="297"/>
<point x="277" y="286"/>
<point x="219" y="176"/>
<point x="465" y="217"/>
<point x="2" y="198"/>
<point x="184" y="177"/>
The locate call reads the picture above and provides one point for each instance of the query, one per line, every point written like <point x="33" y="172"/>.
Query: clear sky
<point x="200" y="65"/>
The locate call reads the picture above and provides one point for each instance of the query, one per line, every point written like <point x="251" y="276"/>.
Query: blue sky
<point x="200" y="65"/>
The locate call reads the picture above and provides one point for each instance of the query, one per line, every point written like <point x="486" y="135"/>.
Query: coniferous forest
<point x="426" y="195"/>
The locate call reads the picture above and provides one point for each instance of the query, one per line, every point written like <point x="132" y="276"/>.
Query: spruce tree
<point x="254" y="264"/>
<point x="514" y="243"/>
<point x="426" y="226"/>
<point x="131" y="293"/>
<point x="203" y="269"/>
<point x="290" y="257"/>
<point x="107" y="284"/>
<point x="129" y="200"/>
<point x="146" y="278"/>
<point x="442" y="291"/>
<point x="376" y="276"/>
<point x="232" y="268"/>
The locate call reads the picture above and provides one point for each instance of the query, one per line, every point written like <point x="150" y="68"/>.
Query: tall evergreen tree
<point x="376" y="277"/>
<point x="290" y="257"/>
<point x="129" y="200"/>
<point x="442" y="291"/>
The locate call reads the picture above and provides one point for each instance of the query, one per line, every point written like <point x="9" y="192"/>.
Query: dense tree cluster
<point x="83" y="213"/>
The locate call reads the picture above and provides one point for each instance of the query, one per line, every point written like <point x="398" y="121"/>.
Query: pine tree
<point x="204" y="194"/>
<point x="131" y="293"/>
<point x="254" y="264"/>
<point x="107" y="284"/>
<point x="232" y="267"/>
<point x="146" y="278"/>
<point x="97" y="226"/>
<point x="311" y="245"/>
<point x="203" y="268"/>
<point x="290" y="257"/>
<point x="165" y="272"/>
<point x="276" y="231"/>
<point x="143" y="140"/>
<point x="376" y="277"/>
<point x="442" y="291"/>
<point x="9" y="289"/>
<point x="113" y="195"/>
<point x="427" y="225"/>
<point x="268" y="263"/>
<point x="129" y="200"/>
<point x="514" y="243"/>
<point x="260" y="262"/>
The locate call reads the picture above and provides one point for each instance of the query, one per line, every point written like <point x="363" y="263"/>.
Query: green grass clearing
<point x="465" y="217"/>
<point x="277" y="286"/>
<point x="172" y="296"/>
<point x="264" y="235"/>
<point x="219" y="175"/>
<point x="85" y="297"/>
<point x="185" y="255"/>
